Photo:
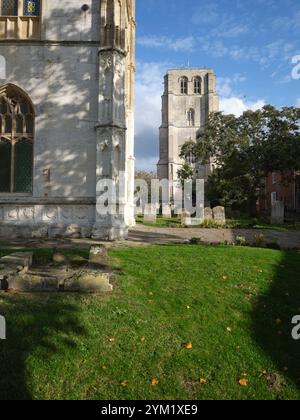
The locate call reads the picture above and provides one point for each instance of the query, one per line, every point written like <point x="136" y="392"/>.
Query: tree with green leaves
<point x="245" y="150"/>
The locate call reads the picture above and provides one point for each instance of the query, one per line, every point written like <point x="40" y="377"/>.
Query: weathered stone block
<point x="185" y="218"/>
<point x="208" y="213"/>
<point x="89" y="282"/>
<point x="277" y="213"/>
<point x="150" y="215"/>
<point x="166" y="212"/>
<point x="219" y="215"/>
<point x="17" y="260"/>
<point x="73" y="231"/>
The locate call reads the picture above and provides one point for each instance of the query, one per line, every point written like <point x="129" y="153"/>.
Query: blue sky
<point x="249" y="43"/>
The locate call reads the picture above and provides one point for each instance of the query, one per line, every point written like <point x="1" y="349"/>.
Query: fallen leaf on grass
<point x="124" y="383"/>
<point x="229" y="329"/>
<point x="202" y="381"/>
<point x="188" y="345"/>
<point x="243" y="382"/>
<point x="154" y="382"/>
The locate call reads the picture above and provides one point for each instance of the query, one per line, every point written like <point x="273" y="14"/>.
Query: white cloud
<point x="149" y="88"/>
<point x="237" y="106"/>
<point x="185" y="44"/>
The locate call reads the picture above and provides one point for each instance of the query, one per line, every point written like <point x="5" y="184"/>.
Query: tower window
<point x="16" y="140"/>
<point x="184" y="85"/>
<point x="191" y="117"/>
<point x="197" y="85"/>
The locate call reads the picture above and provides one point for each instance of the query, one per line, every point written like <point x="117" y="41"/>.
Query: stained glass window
<point x="9" y="7"/>
<point x="16" y="140"/>
<point x="31" y="7"/>
<point x="5" y="162"/>
<point x="24" y="158"/>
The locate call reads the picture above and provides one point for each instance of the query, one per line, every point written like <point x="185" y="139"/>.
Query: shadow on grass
<point x="38" y="326"/>
<point x="272" y="317"/>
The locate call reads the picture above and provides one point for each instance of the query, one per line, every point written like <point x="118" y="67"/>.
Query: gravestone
<point x="185" y="218"/>
<point x="208" y="213"/>
<point x="219" y="215"/>
<point x="277" y="213"/>
<point x="166" y="211"/>
<point x="150" y="213"/>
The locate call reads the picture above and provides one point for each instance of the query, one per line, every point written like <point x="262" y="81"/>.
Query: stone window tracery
<point x="184" y="85"/>
<point x="197" y="85"/>
<point x="16" y="140"/>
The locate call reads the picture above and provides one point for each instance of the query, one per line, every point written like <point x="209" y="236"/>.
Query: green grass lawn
<point x="233" y="304"/>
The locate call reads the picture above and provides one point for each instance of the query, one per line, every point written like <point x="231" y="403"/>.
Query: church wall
<point x="62" y="72"/>
<point x="62" y="82"/>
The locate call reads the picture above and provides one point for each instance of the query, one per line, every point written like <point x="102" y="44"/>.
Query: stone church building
<point x="189" y="96"/>
<point x="66" y="116"/>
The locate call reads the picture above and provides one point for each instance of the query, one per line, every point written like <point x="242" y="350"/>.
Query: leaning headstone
<point x="150" y="213"/>
<point x="277" y="213"/>
<point x="166" y="211"/>
<point x="208" y="213"/>
<point x="219" y="215"/>
<point x="185" y="218"/>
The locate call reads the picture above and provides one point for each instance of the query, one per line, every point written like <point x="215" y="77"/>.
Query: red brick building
<point x="279" y="188"/>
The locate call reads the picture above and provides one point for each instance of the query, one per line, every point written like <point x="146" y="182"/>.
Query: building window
<point x="197" y="85"/>
<point x="9" y="7"/>
<point x="273" y="198"/>
<point x="184" y="85"/>
<point x="17" y="8"/>
<point x="31" y="7"/>
<point x="274" y="178"/>
<point x="191" y="117"/>
<point x="16" y="140"/>
<point x="20" y="19"/>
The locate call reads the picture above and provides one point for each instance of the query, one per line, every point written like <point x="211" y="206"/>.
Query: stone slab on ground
<point x="17" y="259"/>
<point x="89" y="282"/>
<point x="86" y="281"/>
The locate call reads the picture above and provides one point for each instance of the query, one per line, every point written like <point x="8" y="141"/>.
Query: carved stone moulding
<point x="42" y="221"/>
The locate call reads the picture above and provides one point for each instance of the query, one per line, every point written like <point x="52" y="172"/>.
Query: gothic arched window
<point x="197" y="85"/>
<point x="191" y="117"/>
<point x="16" y="140"/>
<point x="184" y="85"/>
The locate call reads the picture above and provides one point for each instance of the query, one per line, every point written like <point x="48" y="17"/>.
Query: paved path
<point x="146" y="234"/>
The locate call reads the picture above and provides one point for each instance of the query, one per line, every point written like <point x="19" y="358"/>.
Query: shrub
<point x="273" y="245"/>
<point x="196" y="241"/>
<point x="259" y="240"/>
<point x="240" y="240"/>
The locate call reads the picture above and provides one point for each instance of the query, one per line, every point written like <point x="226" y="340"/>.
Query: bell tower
<point x="115" y="128"/>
